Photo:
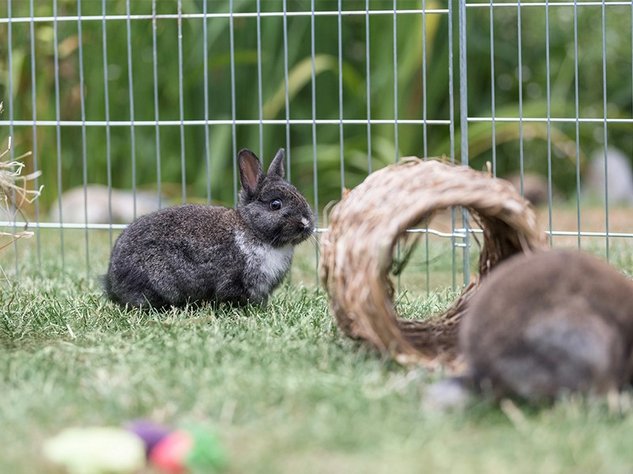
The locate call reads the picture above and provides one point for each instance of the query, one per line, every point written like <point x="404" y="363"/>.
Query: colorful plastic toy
<point x="127" y="450"/>
<point x="96" y="451"/>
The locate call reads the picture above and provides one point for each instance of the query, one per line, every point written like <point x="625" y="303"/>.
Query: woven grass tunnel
<point x="365" y="227"/>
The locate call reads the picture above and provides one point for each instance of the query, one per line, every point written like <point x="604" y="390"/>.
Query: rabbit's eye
<point x="275" y="204"/>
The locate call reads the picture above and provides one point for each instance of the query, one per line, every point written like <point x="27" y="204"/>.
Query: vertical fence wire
<point x="425" y="138"/>
<point x="130" y="78"/>
<point x="395" y="81"/>
<point x="288" y="170"/>
<point x="181" y="109"/>
<point x="604" y="125"/>
<point x="549" y="126"/>
<point x="368" y="85"/>
<point x="58" y="133"/>
<point x="520" y="84"/>
<point x="84" y="154"/>
<point x="340" y="94"/>
<point x="463" y="128"/>
<point x="11" y="117"/>
<point x="425" y="148"/>
<point x="451" y="108"/>
<point x="286" y="96"/>
<point x="205" y="80"/>
<point x="395" y="106"/>
<point x="156" y="106"/>
<point x="315" y="175"/>
<point x="10" y="72"/>
<point x="34" y="137"/>
<point x="493" y="91"/>
<point x="577" y="124"/>
<point x="259" y="80"/>
<point x="233" y="110"/>
<point x="106" y="100"/>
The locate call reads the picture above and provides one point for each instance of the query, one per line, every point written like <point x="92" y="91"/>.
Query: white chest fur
<point x="265" y="265"/>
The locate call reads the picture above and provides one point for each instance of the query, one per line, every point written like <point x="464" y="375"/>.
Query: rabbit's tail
<point x="450" y="393"/>
<point x="560" y="355"/>
<point x="106" y="284"/>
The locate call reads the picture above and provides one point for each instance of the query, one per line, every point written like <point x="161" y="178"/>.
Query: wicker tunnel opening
<point x="367" y="224"/>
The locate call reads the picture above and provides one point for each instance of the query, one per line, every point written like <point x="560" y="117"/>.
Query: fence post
<point x="463" y="126"/>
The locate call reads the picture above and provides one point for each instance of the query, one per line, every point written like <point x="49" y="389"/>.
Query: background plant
<point x="423" y="90"/>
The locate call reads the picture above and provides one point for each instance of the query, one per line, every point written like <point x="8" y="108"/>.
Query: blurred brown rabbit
<point x="546" y="324"/>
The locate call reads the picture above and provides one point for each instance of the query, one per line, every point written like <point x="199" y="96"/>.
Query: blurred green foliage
<point x="422" y="89"/>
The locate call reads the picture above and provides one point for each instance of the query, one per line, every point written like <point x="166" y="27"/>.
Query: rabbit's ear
<point x="250" y="170"/>
<point x="277" y="165"/>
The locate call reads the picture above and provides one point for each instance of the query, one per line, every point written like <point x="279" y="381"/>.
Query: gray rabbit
<point x="195" y="253"/>
<point x="546" y="324"/>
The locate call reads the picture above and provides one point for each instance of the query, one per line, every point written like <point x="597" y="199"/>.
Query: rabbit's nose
<point x="305" y="222"/>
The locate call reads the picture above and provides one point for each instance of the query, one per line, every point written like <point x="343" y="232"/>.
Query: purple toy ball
<point x="151" y="433"/>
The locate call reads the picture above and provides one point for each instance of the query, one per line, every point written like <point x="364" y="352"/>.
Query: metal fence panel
<point x="179" y="86"/>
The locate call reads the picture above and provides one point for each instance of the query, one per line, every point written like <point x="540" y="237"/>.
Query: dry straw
<point x="14" y="191"/>
<point x="368" y="223"/>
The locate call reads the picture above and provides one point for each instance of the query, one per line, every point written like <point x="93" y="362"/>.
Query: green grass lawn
<point x="285" y="390"/>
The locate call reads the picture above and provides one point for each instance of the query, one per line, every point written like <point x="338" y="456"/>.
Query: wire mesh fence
<point x="129" y="106"/>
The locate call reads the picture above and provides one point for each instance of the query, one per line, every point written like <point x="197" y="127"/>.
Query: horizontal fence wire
<point x="459" y="233"/>
<point x="152" y="123"/>
<point x="226" y="15"/>
<point x="172" y="123"/>
<point x="316" y="13"/>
